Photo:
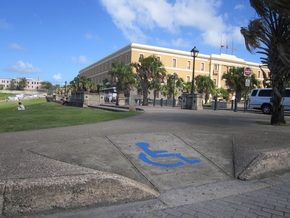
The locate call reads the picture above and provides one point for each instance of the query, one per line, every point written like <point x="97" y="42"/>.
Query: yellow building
<point x="174" y="61"/>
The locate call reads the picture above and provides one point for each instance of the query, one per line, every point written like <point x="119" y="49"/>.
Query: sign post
<point x="247" y="73"/>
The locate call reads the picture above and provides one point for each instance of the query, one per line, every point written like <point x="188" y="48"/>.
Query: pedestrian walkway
<point x="173" y="157"/>
<point x="258" y="198"/>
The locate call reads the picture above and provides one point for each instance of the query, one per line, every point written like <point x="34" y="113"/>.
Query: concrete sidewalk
<point x="101" y="164"/>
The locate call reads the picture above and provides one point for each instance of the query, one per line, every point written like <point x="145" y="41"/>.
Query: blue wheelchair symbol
<point x="161" y="154"/>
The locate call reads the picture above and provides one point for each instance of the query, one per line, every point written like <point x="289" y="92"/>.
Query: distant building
<point x="32" y="84"/>
<point x="174" y="61"/>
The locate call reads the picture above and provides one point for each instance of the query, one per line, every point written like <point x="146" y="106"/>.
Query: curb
<point x="270" y="162"/>
<point x="32" y="196"/>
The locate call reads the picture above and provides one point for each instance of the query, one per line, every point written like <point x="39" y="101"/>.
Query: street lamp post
<point x="174" y="77"/>
<point x="65" y="87"/>
<point x="194" y="53"/>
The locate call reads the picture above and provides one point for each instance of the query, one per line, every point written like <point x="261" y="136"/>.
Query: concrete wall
<point x="94" y="99"/>
<point x="85" y="99"/>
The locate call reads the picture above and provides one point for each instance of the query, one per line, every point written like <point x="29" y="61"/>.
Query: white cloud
<point x="4" y="24"/>
<point x="136" y="18"/>
<point x="21" y="67"/>
<point x="15" y="46"/>
<point x="57" y="77"/>
<point x="89" y="36"/>
<point x="80" y="59"/>
<point x="239" y="6"/>
<point x="180" y="42"/>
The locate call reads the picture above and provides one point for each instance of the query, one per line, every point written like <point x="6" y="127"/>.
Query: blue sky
<point x="54" y="39"/>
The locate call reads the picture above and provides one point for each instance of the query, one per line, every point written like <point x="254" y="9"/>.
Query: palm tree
<point x="235" y="81"/>
<point x="186" y="87"/>
<point x="82" y="84"/>
<point x="171" y="87"/>
<point x="204" y="84"/>
<point x="22" y="83"/>
<point x="280" y="6"/>
<point x="13" y="84"/>
<point x="123" y="76"/>
<point x="148" y="69"/>
<point x="46" y="85"/>
<point x="57" y="88"/>
<point x="269" y="33"/>
<point x="73" y="85"/>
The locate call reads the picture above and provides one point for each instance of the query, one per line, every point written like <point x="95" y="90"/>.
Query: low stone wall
<point x="85" y="99"/>
<point x="222" y="105"/>
<point x="93" y="99"/>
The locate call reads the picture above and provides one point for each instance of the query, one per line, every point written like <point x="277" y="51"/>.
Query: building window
<point x="120" y="60"/>
<point x="187" y="78"/>
<point x="259" y="74"/>
<point x="216" y="67"/>
<point x="174" y="62"/>
<point x="202" y="66"/>
<point x="141" y="56"/>
<point x="188" y="65"/>
<point x="214" y="80"/>
<point x="158" y="58"/>
<point x="127" y="58"/>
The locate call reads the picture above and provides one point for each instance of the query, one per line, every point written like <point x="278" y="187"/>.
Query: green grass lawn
<point x="44" y="115"/>
<point x="4" y="96"/>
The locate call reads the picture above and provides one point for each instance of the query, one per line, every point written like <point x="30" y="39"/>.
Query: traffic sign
<point x="247" y="71"/>
<point x="247" y="82"/>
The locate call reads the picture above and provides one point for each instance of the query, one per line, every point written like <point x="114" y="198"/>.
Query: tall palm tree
<point x="22" y="83"/>
<point x="280" y="6"/>
<point x="270" y="34"/>
<point x="148" y="69"/>
<point x="186" y="87"/>
<point x="204" y="84"/>
<point x="235" y="81"/>
<point x="123" y="76"/>
<point x="172" y="85"/>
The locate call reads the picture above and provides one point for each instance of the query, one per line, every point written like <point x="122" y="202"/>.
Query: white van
<point x="260" y="99"/>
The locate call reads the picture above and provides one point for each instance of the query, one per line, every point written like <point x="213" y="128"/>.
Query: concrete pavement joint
<point x="202" y="154"/>
<point x="132" y="164"/>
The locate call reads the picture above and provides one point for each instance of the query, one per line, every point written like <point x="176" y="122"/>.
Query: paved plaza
<point x="176" y="163"/>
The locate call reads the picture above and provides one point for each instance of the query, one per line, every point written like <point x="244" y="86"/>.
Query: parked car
<point x="260" y="98"/>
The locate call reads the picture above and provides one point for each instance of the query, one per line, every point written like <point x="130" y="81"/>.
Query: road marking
<point x="162" y="154"/>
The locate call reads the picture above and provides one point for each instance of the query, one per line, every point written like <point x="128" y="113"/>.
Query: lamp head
<point x="194" y="52"/>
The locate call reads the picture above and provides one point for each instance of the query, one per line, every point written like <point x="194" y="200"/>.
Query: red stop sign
<point x="247" y="71"/>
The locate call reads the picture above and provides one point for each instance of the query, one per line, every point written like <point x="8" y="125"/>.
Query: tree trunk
<point x="238" y="95"/>
<point x="206" y="97"/>
<point x="145" y="93"/>
<point x="277" y="117"/>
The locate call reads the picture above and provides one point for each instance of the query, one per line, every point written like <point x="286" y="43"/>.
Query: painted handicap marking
<point x="162" y="154"/>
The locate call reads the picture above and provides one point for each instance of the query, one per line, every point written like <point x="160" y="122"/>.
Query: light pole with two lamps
<point x="194" y="53"/>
